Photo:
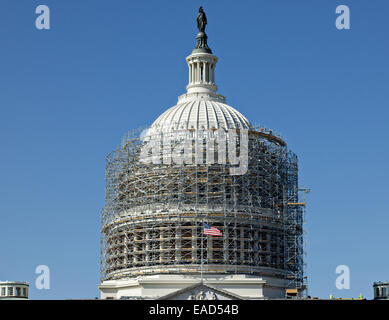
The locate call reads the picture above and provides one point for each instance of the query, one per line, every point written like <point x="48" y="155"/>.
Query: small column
<point x="198" y="72"/>
<point x="194" y="72"/>
<point x="201" y="72"/>
<point x="204" y="65"/>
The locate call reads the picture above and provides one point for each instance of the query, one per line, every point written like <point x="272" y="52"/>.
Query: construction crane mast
<point x="295" y="244"/>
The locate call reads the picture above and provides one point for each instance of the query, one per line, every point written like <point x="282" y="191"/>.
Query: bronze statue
<point x="201" y="38"/>
<point x="201" y="20"/>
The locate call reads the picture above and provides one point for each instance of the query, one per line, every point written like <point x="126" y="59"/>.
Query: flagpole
<point x="202" y="244"/>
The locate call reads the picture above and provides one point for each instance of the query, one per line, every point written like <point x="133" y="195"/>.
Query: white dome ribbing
<point x="201" y="114"/>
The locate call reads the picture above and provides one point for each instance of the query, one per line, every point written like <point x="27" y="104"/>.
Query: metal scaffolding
<point x="153" y="217"/>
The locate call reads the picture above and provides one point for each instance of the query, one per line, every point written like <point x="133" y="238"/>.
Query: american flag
<point x="211" y="230"/>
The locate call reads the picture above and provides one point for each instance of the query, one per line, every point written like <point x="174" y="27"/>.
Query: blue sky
<point x="68" y="94"/>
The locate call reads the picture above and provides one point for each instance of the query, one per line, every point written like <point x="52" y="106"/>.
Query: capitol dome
<point x="201" y="115"/>
<point x="190" y="207"/>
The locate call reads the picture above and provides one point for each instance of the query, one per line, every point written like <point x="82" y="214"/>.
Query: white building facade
<point x="13" y="290"/>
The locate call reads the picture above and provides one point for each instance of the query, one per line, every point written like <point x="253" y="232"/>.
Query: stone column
<point x="161" y="247"/>
<point x="125" y="249"/>
<point x="198" y="72"/>
<point x="147" y="254"/>
<point x="194" y="243"/>
<point x="178" y="249"/>
<point x="209" y="247"/>
<point x="242" y="243"/>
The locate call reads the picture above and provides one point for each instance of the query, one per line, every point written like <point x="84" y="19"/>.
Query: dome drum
<point x="153" y="218"/>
